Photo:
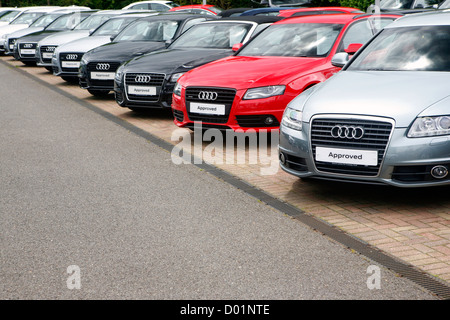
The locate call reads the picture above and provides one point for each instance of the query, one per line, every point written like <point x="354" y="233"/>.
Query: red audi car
<point x="252" y="88"/>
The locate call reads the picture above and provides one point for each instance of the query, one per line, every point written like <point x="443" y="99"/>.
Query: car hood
<point x="122" y="51"/>
<point x="12" y="28"/>
<point x="84" y="44"/>
<point x="169" y="60"/>
<point x="36" y="37"/>
<point x="62" y="37"/>
<point x="241" y="72"/>
<point x="25" y="32"/>
<point x="399" y="95"/>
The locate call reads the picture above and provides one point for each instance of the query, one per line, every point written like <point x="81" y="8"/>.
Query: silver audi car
<point x="385" y="118"/>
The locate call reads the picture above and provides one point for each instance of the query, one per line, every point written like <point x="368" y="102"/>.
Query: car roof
<point x="228" y="12"/>
<point x="334" y="18"/>
<point x="179" y="16"/>
<point x="257" y="19"/>
<point x="423" y="19"/>
<point x="264" y="10"/>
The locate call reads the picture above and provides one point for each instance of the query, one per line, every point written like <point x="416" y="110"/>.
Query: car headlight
<point x="430" y="126"/>
<point x="119" y="73"/>
<point x="292" y="119"/>
<point x="264" y="92"/>
<point x="176" y="76"/>
<point x="177" y="89"/>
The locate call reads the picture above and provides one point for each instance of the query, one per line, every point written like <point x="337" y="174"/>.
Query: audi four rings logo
<point x="143" y="78"/>
<point x="28" y="45"/>
<point x="207" y="95"/>
<point x="102" y="66"/>
<point x="71" y="56"/>
<point x="50" y="49"/>
<point x="347" y="132"/>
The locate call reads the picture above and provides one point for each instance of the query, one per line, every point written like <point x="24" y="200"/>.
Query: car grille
<point x="224" y="96"/>
<point x="376" y="137"/>
<point x="156" y="80"/>
<point x="71" y="57"/>
<point x="46" y="50"/>
<point x="27" y="46"/>
<point x="257" y="121"/>
<point x="418" y="173"/>
<point x="105" y="67"/>
<point x="178" y="115"/>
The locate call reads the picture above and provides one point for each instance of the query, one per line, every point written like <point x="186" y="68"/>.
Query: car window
<point x="140" y="6"/>
<point x="9" y="16"/>
<point x="362" y="31"/>
<point x="149" y="31"/>
<point x="112" y="27"/>
<point x="192" y="22"/>
<point x="27" y="18"/>
<point x="294" y="40"/>
<point x="44" y="20"/>
<point x="212" y="35"/>
<point x="64" y="22"/>
<point x="92" y="22"/>
<point x="407" y="49"/>
<point x="159" y="7"/>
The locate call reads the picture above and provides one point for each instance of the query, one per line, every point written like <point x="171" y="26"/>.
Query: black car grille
<point x="376" y="137"/>
<point x="46" y="50"/>
<point x="178" y="115"/>
<point x="418" y="173"/>
<point x="71" y="57"/>
<point x="224" y="96"/>
<point x="257" y="121"/>
<point x="27" y="46"/>
<point x="102" y="67"/>
<point x="153" y="80"/>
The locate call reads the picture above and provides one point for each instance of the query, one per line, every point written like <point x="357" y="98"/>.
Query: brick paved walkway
<point x="410" y="224"/>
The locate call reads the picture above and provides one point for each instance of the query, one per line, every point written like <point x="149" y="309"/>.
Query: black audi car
<point x="25" y="47"/>
<point x="98" y="66"/>
<point x="147" y="81"/>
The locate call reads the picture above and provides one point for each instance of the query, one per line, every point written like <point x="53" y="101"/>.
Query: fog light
<point x="439" y="172"/>
<point x="282" y="158"/>
<point x="268" y="120"/>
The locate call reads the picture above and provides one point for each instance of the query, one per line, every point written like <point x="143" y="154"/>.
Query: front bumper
<point x="406" y="162"/>
<point x="25" y="51"/>
<point x="98" y="75"/>
<point x="67" y="64"/>
<point x="44" y="55"/>
<point x="157" y="93"/>
<point x="257" y="114"/>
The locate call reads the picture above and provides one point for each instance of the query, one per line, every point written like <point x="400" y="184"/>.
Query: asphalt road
<point x="81" y="192"/>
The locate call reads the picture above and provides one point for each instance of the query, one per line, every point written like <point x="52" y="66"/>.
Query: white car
<point x="66" y="58"/>
<point x="160" y="6"/>
<point x="22" y="21"/>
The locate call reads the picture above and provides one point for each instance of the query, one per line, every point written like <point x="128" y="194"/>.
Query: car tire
<point x="70" y="79"/>
<point x="29" y="63"/>
<point x="99" y="93"/>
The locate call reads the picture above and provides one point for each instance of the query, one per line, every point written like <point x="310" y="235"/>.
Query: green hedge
<point x="224" y="4"/>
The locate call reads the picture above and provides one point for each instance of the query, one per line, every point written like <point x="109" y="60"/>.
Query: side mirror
<point x="113" y="37"/>
<point x="340" y="59"/>
<point x="353" y="47"/>
<point x="236" y="47"/>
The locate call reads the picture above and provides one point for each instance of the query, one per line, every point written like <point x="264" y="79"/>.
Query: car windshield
<point x="92" y="22"/>
<point x="66" y="22"/>
<point x="294" y="40"/>
<point x="149" y="31"/>
<point x="45" y="20"/>
<point x="407" y="49"/>
<point x="9" y="16"/>
<point x="445" y="5"/>
<point x="112" y="26"/>
<point x="212" y="35"/>
<point x="27" y="18"/>
<point x="288" y="3"/>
